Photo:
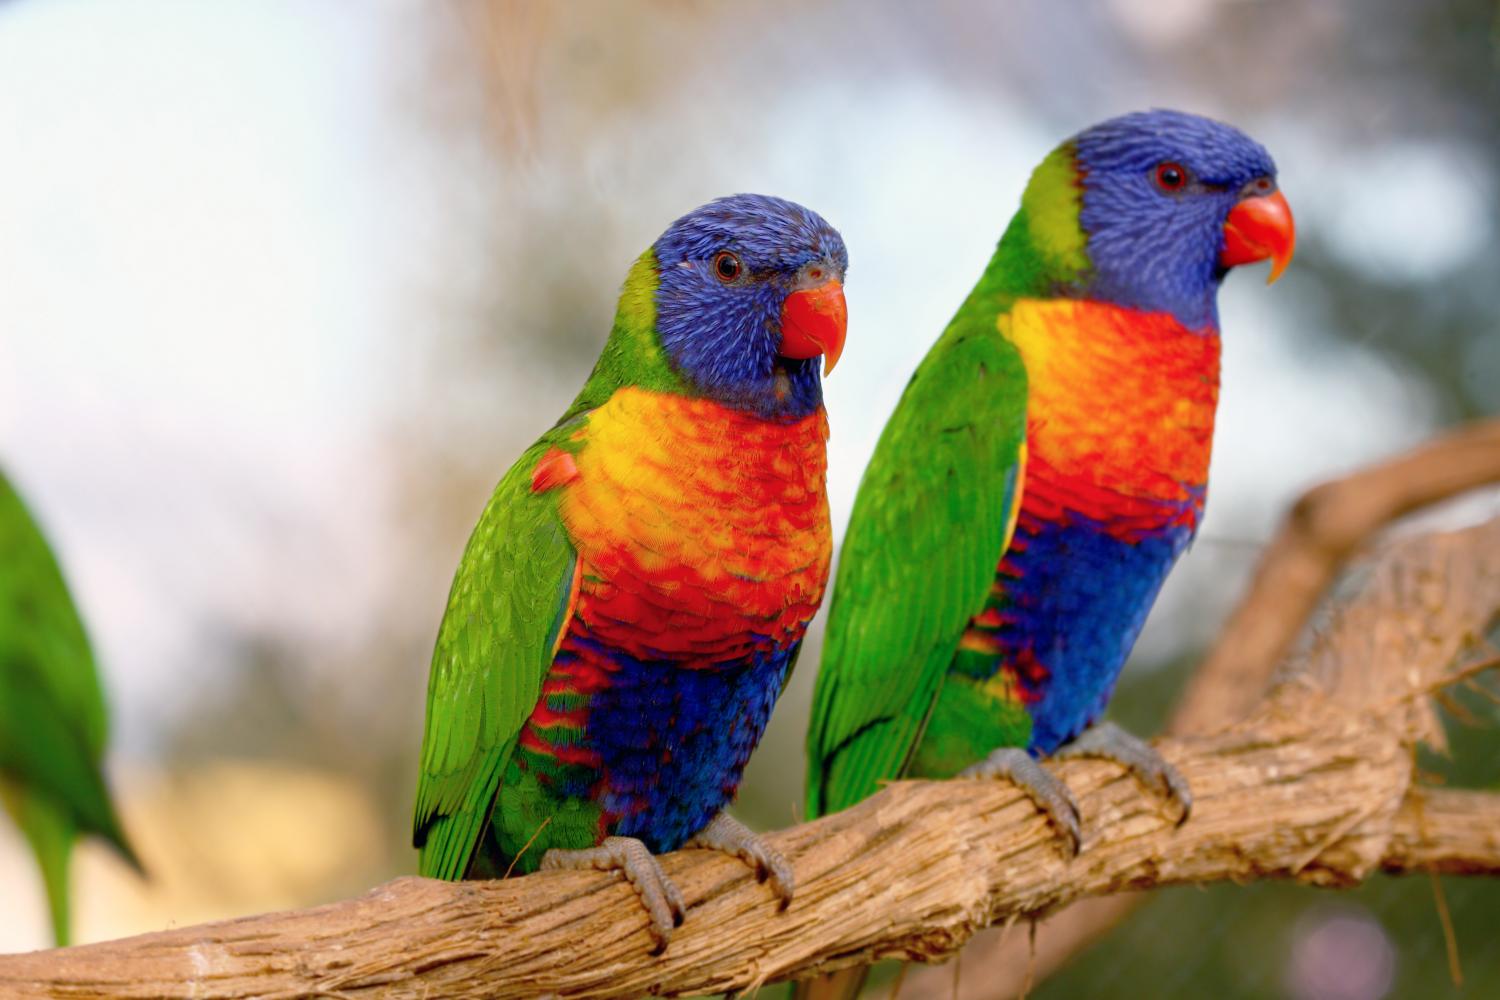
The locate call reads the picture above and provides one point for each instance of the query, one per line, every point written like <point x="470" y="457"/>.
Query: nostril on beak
<point x="1259" y="186"/>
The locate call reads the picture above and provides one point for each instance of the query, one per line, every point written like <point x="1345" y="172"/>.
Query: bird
<point x="632" y="599"/>
<point x="53" y="721"/>
<point x="1044" y="469"/>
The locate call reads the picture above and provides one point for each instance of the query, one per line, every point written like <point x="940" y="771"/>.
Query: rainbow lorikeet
<point x="633" y="597"/>
<point x="1045" y="468"/>
<point x="52" y="717"/>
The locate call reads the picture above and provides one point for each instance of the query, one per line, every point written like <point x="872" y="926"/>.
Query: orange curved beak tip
<point x="1260" y="228"/>
<point x="814" y="321"/>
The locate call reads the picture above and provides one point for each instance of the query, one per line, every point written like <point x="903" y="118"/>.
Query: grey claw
<point x="1110" y="742"/>
<point x="1050" y="795"/>
<point x="661" y="898"/>
<point x="727" y="834"/>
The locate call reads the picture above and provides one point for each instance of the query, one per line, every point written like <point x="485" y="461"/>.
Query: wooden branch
<point x="1445" y="831"/>
<point x="1314" y="788"/>
<point x="911" y="873"/>
<point x="1327" y="526"/>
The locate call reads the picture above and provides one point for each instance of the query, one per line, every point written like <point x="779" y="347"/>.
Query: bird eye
<point x="727" y="266"/>
<point x="1171" y="176"/>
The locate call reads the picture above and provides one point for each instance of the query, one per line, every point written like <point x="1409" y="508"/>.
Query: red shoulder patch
<point x="555" y="468"/>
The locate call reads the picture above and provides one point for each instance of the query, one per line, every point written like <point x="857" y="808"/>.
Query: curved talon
<point x="673" y="896"/>
<point x="1177" y="790"/>
<point x="1049" y="794"/>
<point x="629" y="856"/>
<point x="727" y="834"/>
<point x="1110" y="742"/>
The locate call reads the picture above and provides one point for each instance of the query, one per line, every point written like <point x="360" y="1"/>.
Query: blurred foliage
<point x="1435" y="71"/>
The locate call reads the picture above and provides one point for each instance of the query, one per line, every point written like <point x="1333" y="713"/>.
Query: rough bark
<point x="1314" y="787"/>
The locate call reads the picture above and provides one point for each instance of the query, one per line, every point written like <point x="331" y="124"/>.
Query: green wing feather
<point x="930" y="524"/>
<point x="53" y="725"/>
<point x="510" y="597"/>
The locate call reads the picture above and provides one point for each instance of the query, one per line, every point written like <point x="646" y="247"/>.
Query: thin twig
<point x="1450" y="939"/>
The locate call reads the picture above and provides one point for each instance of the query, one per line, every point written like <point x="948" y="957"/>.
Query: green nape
<point x="1051" y="204"/>
<point x="632" y="356"/>
<point x="1044" y="247"/>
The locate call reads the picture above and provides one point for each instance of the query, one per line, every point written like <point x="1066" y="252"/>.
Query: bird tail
<point x="56" y="861"/>
<point x="51" y="828"/>
<point x="50" y="831"/>
<point x="844" y="984"/>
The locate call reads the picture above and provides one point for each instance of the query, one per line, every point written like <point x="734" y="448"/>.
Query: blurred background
<point x="284" y="288"/>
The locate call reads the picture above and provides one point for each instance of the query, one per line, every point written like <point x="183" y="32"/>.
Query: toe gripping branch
<point x="1105" y="740"/>
<point x="662" y="900"/>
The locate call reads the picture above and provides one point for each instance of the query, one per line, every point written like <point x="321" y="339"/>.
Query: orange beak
<point x="1258" y="228"/>
<point x="813" y="322"/>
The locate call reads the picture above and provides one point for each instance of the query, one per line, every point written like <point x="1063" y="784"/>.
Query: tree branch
<point x="910" y="873"/>
<point x="1314" y="788"/>
<point x="1445" y="831"/>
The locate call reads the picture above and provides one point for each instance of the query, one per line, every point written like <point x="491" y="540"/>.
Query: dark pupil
<point x="728" y="266"/>
<point x="1171" y="176"/>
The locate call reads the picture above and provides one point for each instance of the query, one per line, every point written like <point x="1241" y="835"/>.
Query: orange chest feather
<point x="701" y="531"/>
<point x="1119" y="399"/>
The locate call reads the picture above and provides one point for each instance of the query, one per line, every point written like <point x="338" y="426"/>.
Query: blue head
<point x="749" y="294"/>
<point x="1169" y="202"/>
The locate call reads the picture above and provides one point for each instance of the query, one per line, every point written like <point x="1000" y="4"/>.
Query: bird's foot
<point x="1050" y="795"/>
<point x="727" y="834"/>
<point x="1109" y="741"/>
<point x="628" y="855"/>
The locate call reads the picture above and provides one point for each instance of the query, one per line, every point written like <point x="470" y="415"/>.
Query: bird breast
<point x="702" y="531"/>
<point x="1119" y="401"/>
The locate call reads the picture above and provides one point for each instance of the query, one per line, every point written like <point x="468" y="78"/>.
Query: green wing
<point x="510" y="597"/>
<point x="930" y="524"/>
<point x="53" y="726"/>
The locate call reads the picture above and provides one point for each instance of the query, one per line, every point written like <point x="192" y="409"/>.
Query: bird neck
<point x="1047" y="252"/>
<point x="634" y="357"/>
<point x="1043" y="252"/>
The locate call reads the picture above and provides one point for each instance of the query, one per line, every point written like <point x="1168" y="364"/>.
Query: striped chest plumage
<point x="702" y="532"/>
<point x="1119" y="431"/>
<point x="1120" y="413"/>
<point x="703" y="547"/>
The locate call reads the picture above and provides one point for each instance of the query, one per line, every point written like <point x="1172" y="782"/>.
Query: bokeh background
<point x="284" y="287"/>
